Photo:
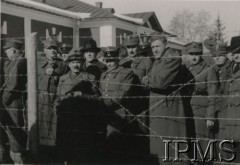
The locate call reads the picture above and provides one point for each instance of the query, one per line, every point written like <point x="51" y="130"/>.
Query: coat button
<point x="220" y="72"/>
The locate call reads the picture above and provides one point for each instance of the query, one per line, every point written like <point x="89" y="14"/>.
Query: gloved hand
<point x="49" y="71"/>
<point x="145" y="80"/>
<point x="77" y="93"/>
<point x="210" y="124"/>
<point x="67" y="96"/>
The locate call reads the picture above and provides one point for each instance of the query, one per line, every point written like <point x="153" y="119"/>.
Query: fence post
<point x="31" y="47"/>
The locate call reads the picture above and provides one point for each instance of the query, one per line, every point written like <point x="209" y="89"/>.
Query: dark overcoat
<point x="141" y="67"/>
<point x="203" y="100"/>
<point x="233" y="106"/>
<point x="97" y="70"/>
<point x="47" y="88"/>
<point x="224" y="73"/>
<point x="80" y="125"/>
<point x="115" y="86"/>
<point x="14" y="101"/>
<point x="166" y="109"/>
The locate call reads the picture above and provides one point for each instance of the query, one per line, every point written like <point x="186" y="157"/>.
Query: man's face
<point x="220" y="60"/>
<point x="10" y="52"/>
<point x="236" y="57"/>
<point x="64" y="56"/>
<point x="90" y="55"/>
<point x="132" y="50"/>
<point x="158" y="48"/>
<point x="75" y="66"/>
<point x="51" y="52"/>
<point x="111" y="63"/>
<point x="194" y="59"/>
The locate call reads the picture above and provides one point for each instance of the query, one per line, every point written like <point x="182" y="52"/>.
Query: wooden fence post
<point x="33" y="140"/>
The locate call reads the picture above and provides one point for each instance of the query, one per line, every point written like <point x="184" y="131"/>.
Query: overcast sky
<point x="229" y="10"/>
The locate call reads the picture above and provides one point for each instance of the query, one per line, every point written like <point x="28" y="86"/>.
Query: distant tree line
<point x="190" y="26"/>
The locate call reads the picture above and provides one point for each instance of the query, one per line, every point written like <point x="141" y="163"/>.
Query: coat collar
<point x="198" y="67"/>
<point x="228" y="64"/>
<point x="45" y="63"/>
<point x="125" y="61"/>
<point x="236" y="75"/>
<point x="69" y="76"/>
<point x="136" y="61"/>
<point x="95" y="62"/>
<point x="133" y="62"/>
<point x="114" y="72"/>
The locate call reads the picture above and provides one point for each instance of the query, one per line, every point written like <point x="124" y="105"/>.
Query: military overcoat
<point x="224" y="74"/>
<point x="166" y="109"/>
<point x="14" y="100"/>
<point x="47" y="88"/>
<point x="203" y="101"/>
<point x="233" y="106"/>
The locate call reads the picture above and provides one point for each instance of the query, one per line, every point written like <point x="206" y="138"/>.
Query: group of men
<point x="122" y="109"/>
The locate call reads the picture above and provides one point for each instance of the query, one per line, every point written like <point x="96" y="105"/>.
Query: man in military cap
<point x="14" y="99"/>
<point x="233" y="103"/>
<point x="65" y="49"/>
<point x="77" y="108"/>
<point x="90" y="51"/>
<point x="223" y="68"/>
<point x="165" y="98"/>
<point x="203" y="101"/>
<point x="115" y="85"/>
<point x="49" y="70"/>
<point x="140" y="63"/>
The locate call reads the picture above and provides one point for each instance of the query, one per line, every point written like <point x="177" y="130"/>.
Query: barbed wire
<point x="88" y="37"/>
<point x="125" y="134"/>
<point x="139" y="85"/>
<point x="143" y="57"/>
<point x="140" y="120"/>
<point x="166" y="96"/>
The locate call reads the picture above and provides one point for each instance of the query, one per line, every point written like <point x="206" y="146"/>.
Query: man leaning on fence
<point x="77" y="105"/>
<point x="204" y="95"/>
<point x="50" y="68"/>
<point x="141" y="65"/>
<point x="167" y="111"/>
<point x="115" y="85"/>
<point x="14" y="100"/>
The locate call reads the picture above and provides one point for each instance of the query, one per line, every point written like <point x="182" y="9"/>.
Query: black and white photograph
<point x="120" y="82"/>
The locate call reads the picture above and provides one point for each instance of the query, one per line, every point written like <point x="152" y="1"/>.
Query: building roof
<point x="149" y="18"/>
<point x="82" y="7"/>
<point x="47" y="8"/>
<point x="96" y="12"/>
<point x="144" y="15"/>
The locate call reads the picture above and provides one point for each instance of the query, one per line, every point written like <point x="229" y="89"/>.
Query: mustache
<point x="76" y="67"/>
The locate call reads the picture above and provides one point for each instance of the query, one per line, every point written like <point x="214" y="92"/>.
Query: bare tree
<point x="217" y="32"/>
<point x="189" y="26"/>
